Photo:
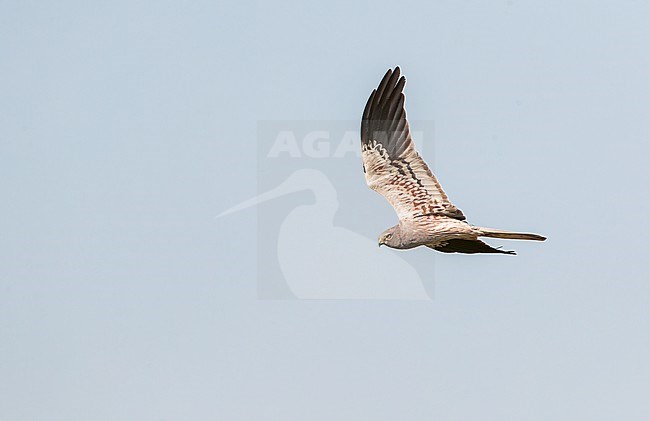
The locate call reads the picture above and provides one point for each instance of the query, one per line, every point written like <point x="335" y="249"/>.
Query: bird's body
<point x="428" y="231"/>
<point x="395" y="170"/>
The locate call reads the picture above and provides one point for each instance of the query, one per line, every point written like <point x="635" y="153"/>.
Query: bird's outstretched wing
<point x="466" y="246"/>
<point x="391" y="164"/>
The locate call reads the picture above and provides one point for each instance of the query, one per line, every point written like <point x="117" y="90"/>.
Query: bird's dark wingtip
<point x="511" y="252"/>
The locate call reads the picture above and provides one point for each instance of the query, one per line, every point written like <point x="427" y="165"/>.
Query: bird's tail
<point x="510" y="235"/>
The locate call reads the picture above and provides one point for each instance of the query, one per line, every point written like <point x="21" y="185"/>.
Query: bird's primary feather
<point x="392" y="165"/>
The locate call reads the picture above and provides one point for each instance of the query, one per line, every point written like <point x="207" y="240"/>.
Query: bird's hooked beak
<point x="380" y="243"/>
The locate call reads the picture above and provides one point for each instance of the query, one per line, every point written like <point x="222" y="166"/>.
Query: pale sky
<point x="125" y="127"/>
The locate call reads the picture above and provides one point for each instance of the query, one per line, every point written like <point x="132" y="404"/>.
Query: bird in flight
<point x="394" y="169"/>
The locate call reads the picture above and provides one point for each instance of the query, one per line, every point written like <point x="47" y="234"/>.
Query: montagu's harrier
<point x="394" y="169"/>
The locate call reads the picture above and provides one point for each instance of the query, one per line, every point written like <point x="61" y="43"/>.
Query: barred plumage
<point x="394" y="169"/>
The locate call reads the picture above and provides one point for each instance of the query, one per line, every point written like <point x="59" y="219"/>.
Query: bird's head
<point x="391" y="237"/>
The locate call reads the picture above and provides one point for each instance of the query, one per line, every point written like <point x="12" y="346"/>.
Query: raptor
<point x="394" y="169"/>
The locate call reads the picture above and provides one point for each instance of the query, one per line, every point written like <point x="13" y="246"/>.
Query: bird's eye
<point x="388" y="236"/>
